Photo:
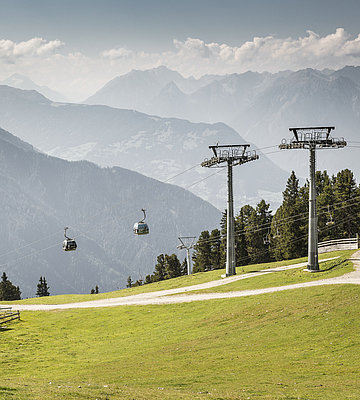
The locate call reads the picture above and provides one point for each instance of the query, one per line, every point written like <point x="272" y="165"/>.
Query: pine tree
<point x="325" y="206"/>
<point x="96" y="289"/>
<point x="346" y="204"/>
<point x="42" y="288"/>
<point x="8" y="291"/>
<point x="159" y="273"/>
<point x="202" y="253"/>
<point x="259" y="221"/>
<point x="184" y="267"/>
<point x="287" y="229"/>
<point x="172" y="266"/>
<point x="129" y="282"/>
<point x="215" y="250"/>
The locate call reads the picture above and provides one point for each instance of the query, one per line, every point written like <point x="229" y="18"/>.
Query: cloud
<point x="78" y="75"/>
<point x="35" y="47"/>
<point x="269" y="53"/>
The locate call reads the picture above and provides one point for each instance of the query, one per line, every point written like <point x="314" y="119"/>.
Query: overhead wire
<point x="167" y="180"/>
<point x="279" y="222"/>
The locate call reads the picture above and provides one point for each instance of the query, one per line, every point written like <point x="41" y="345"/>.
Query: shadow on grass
<point x="6" y="390"/>
<point x="4" y="329"/>
<point x="333" y="266"/>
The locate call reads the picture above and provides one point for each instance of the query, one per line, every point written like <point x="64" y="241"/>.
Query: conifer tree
<point x="129" y="282"/>
<point x="159" y="273"/>
<point x="8" y="291"/>
<point x="202" y="253"/>
<point x="42" y="288"/>
<point x="346" y="204"/>
<point x="215" y="249"/>
<point x="184" y="267"/>
<point x="172" y="266"/>
<point x="287" y="229"/>
<point x="325" y="206"/>
<point x="255" y="231"/>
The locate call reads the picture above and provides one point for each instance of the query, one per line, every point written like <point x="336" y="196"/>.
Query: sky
<point x="77" y="46"/>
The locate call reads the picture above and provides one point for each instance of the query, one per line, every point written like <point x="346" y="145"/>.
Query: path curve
<point x="179" y="295"/>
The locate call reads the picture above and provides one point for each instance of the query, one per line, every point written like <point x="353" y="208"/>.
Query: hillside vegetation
<point x="297" y="344"/>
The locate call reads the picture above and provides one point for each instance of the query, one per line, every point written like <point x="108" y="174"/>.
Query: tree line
<point x="261" y="236"/>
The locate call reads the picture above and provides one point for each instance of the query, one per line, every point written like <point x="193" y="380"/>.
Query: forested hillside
<point x="40" y="195"/>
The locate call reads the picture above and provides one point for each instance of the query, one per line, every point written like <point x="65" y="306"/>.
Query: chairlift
<point x="68" y="244"/>
<point x="141" y="227"/>
<point x="330" y="221"/>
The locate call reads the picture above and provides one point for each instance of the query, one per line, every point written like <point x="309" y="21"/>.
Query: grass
<point x="182" y="281"/>
<point x="298" y="344"/>
<point x="328" y="269"/>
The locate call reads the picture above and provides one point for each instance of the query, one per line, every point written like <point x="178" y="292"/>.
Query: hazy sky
<point x="76" y="46"/>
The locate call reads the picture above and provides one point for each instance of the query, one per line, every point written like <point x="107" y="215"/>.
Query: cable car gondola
<point x="141" y="228"/>
<point x="69" y="244"/>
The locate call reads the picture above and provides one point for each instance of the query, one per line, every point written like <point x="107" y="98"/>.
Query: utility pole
<point x="231" y="155"/>
<point x="312" y="138"/>
<point x="187" y="242"/>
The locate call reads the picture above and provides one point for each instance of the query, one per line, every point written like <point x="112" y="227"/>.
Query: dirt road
<point x="182" y="295"/>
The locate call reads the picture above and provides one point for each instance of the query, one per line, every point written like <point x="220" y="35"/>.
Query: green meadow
<point x="295" y="344"/>
<point x="183" y="281"/>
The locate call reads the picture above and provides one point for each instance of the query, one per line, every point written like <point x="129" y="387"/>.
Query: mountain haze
<point x="40" y="195"/>
<point x="262" y="106"/>
<point x="157" y="147"/>
<point x="23" y="82"/>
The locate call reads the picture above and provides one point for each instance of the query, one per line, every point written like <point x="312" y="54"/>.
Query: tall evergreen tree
<point x="8" y="291"/>
<point x="172" y="266"/>
<point x="202" y="253"/>
<point x="325" y="206"/>
<point x="159" y="273"/>
<point x="184" y="267"/>
<point x="215" y="251"/>
<point x="346" y="204"/>
<point x="42" y="288"/>
<point x="259" y="221"/>
<point x="287" y="229"/>
<point x="128" y="284"/>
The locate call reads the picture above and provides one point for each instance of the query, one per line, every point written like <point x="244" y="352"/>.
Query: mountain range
<point x="157" y="147"/>
<point x="260" y="106"/>
<point x="40" y="195"/>
<point x="23" y="82"/>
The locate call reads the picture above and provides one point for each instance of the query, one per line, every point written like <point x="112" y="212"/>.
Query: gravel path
<point x="180" y="295"/>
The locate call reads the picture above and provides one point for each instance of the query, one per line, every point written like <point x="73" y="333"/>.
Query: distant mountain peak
<point x="20" y="81"/>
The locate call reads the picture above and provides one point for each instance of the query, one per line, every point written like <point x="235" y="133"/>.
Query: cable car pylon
<point x="232" y="155"/>
<point x="312" y="138"/>
<point x="187" y="242"/>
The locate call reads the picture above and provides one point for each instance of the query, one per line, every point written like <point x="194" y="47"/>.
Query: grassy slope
<point x="299" y="344"/>
<point x="328" y="269"/>
<point x="183" y="281"/>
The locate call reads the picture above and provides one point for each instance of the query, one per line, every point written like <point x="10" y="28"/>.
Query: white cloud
<point x="36" y="47"/>
<point x="79" y="76"/>
<point x="269" y="53"/>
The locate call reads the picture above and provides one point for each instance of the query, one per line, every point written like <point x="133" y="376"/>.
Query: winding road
<point x="180" y="295"/>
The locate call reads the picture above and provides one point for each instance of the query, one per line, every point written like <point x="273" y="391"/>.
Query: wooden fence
<point x="7" y="315"/>
<point x="339" y="244"/>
